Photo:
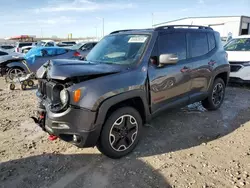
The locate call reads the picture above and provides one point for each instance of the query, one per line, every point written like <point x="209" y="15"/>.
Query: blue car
<point x="36" y="57"/>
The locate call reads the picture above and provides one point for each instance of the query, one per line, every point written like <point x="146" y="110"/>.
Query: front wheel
<point x="120" y="133"/>
<point x="216" y="96"/>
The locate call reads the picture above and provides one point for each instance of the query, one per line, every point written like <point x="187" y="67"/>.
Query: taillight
<point x="17" y="49"/>
<point x="77" y="54"/>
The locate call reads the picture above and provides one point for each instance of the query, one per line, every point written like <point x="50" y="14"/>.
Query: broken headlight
<point x="64" y="96"/>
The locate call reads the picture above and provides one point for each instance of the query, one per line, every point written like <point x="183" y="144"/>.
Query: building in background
<point x="225" y="25"/>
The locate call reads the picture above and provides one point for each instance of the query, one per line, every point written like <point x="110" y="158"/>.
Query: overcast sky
<point x="82" y="17"/>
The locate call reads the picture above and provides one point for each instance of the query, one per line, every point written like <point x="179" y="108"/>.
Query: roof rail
<point x="180" y="26"/>
<point x="119" y="31"/>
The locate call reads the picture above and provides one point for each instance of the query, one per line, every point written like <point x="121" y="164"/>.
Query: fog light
<point x="76" y="138"/>
<point x="63" y="126"/>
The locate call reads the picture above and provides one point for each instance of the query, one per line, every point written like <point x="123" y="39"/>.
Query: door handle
<point x="185" y="69"/>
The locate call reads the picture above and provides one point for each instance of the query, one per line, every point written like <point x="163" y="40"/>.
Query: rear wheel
<point x="216" y="96"/>
<point x="121" y="133"/>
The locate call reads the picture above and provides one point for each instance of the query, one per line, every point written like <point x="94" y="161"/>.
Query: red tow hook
<point x="52" y="137"/>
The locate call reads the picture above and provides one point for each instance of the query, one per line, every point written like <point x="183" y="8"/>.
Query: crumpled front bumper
<point x="75" y="125"/>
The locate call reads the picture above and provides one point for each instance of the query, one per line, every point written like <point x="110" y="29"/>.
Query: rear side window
<point x="198" y="44"/>
<point x="61" y="51"/>
<point x="3" y="53"/>
<point x="173" y="43"/>
<point x="211" y="41"/>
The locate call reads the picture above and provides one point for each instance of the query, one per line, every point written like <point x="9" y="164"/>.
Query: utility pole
<point x="96" y="32"/>
<point x="102" y="27"/>
<point x="152" y="19"/>
<point x="41" y="32"/>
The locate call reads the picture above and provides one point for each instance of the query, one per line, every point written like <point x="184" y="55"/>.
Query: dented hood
<point x="63" y="69"/>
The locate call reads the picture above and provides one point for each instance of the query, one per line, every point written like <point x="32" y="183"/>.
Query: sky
<point x="83" y="18"/>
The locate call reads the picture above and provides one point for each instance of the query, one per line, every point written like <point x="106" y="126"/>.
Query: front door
<point x="170" y="85"/>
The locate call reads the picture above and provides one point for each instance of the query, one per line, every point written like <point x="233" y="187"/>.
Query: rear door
<point x="169" y="85"/>
<point x="201" y="55"/>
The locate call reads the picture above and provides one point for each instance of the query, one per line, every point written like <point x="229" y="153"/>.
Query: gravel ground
<point x="186" y="147"/>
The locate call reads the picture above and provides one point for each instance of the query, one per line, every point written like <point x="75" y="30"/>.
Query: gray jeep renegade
<point x="129" y="77"/>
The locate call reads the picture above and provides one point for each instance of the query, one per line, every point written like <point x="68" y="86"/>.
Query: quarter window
<point x="173" y="43"/>
<point x="211" y="41"/>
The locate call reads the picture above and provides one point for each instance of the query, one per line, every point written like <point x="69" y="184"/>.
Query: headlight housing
<point x="64" y="96"/>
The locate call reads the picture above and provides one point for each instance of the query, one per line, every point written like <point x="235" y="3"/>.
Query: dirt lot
<point x="181" y="148"/>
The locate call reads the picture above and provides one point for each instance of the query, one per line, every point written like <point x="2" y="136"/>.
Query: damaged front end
<point x="59" y="114"/>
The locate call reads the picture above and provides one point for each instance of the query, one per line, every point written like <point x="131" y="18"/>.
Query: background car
<point x="25" y="49"/>
<point x="238" y="50"/>
<point x="7" y="57"/>
<point x="84" y="48"/>
<point x="66" y="43"/>
<point x="19" y="46"/>
<point x="36" y="57"/>
<point x="7" y="48"/>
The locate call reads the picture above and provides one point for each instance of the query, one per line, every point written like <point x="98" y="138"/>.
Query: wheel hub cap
<point x="217" y="94"/>
<point x="123" y="133"/>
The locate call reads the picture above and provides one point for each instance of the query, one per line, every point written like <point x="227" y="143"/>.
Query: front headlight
<point x="64" y="96"/>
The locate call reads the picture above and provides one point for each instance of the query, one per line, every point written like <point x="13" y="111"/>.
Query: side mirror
<point x="167" y="59"/>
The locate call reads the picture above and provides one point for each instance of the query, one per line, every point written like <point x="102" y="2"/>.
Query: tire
<point x="12" y="86"/>
<point x="114" y="141"/>
<point x="30" y="83"/>
<point x="23" y="86"/>
<point x="210" y="103"/>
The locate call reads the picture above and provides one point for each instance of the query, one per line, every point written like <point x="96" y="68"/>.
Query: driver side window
<point x="173" y="43"/>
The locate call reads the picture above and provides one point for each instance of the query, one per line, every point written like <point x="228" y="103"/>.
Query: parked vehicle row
<point x="128" y="78"/>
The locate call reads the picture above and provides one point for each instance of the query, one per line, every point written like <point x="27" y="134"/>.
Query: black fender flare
<point x="108" y="103"/>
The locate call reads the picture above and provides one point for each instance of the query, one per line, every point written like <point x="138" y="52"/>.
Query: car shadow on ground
<point x="79" y="170"/>
<point x="181" y="129"/>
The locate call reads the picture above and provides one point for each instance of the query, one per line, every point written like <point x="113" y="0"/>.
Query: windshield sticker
<point x="138" y="39"/>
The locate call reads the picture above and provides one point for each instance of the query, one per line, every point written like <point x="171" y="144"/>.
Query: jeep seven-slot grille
<point x="50" y="90"/>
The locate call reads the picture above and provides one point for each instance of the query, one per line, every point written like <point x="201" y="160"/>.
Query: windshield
<point x="76" y="46"/>
<point x="241" y="44"/>
<point x="118" y="49"/>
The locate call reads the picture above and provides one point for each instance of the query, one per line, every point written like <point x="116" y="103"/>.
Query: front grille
<point x="50" y="90"/>
<point x="235" y="68"/>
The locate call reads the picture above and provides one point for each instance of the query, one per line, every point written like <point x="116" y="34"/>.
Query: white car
<point x="46" y="43"/>
<point x="238" y="50"/>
